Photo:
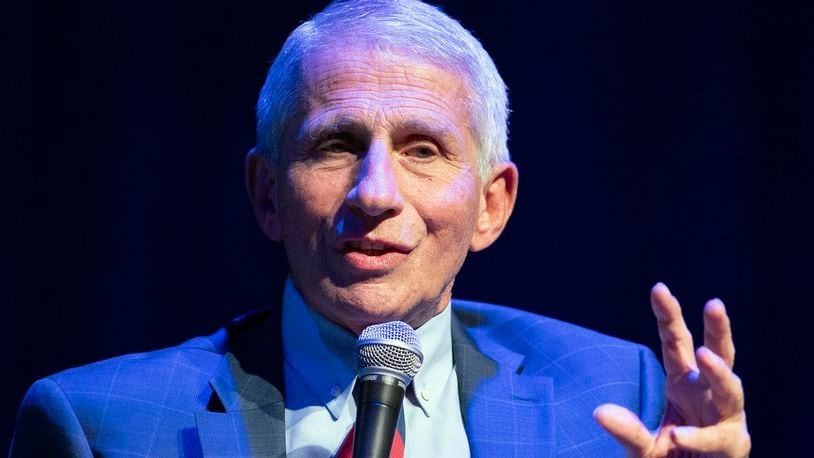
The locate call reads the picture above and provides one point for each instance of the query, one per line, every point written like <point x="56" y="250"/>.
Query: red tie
<point x="346" y="449"/>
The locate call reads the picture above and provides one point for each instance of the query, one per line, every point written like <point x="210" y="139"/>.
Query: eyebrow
<point x="327" y="125"/>
<point x="437" y="130"/>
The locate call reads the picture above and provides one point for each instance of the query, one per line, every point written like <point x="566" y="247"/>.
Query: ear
<point x="497" y="203"/>
<point x="261" y="184"/>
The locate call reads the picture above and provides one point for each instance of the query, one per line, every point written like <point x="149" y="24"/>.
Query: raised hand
<point x="704" y="413"/>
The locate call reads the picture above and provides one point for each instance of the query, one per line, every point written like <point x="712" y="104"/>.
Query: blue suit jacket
<point x="528" y="386"/>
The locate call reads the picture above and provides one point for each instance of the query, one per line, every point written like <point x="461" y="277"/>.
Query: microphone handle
<point x="380" y="399"/>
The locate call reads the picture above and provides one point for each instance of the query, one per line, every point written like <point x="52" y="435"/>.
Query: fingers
<point x="714" y="395"/>
<point x="718" y="331"/>
<point x="726" y="387"/>
<point x="727" y="433"/>
<point x="729" y="439"/>
<point x="676" y="341"/>
<point x="626" y="428"/>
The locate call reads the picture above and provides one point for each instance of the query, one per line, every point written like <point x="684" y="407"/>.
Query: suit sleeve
<point x="47" y="425"/>
<point x="651" y="389"/>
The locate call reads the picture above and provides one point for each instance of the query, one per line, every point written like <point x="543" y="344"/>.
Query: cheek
<point x="451" y="210"/>
<point x="309" y="199"/>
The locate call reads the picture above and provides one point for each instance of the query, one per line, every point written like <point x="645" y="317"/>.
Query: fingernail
<point x="601" y="410"/>
<point x="608" y="410"/>
<point x="661" y="285"/>
<point x="706" y="353"/>
<point x="718" y="302"/>
<point x="703" y="353"/>
<point x="681" y="433"/>
<point x="713" y="306"/>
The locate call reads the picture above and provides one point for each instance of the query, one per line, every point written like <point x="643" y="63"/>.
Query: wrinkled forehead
<point x="324" y="67"/>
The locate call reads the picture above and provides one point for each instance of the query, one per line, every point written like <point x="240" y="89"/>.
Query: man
<point x="381" y="161"/>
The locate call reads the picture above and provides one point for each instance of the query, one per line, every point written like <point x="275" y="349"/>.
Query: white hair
<point x="396" y="27"/>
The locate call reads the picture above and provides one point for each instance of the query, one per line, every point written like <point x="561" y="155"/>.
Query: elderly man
<point x="381" y="161"/>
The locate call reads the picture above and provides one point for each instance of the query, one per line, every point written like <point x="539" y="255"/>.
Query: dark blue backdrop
<point x="655" y="140"/>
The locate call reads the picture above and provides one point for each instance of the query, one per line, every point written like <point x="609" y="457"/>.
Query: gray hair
<point x="391" y="27"/>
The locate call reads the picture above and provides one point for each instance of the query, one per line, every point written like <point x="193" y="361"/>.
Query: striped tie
<point x="346" y="449"/>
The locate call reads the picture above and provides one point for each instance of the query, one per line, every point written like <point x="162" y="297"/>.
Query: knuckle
<point x="737" y="381"/>
<point x="745" y="445"/>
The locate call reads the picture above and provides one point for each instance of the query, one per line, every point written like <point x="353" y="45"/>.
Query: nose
<point x="376" y="190"/>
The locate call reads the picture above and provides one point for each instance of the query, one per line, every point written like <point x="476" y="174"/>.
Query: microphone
<point x="388" y="356"/>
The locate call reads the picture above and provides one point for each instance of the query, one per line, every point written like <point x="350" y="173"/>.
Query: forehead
<point x="373" y="84"/>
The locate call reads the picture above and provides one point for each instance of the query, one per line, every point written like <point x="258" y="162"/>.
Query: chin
<point x="363" y="304"/>
<point x="375" y="313"/>
<point x="360" y="314"/>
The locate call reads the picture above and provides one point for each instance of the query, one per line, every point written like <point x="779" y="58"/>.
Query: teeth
<point x="366" y="245"/>
<point x="371" y="246"/>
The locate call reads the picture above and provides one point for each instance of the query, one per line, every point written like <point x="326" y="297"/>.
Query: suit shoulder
<point x="133" y="402"/>
<point x="66" y="414"/>
<point x="138" y="375"/>
<point x="554" y="347"/>
<point x="485" y="319"/>
<point x="191" y="363"/>
<point x="585" y="366"/>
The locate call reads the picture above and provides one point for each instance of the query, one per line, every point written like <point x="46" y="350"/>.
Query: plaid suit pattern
<point x="550" y="377"/>
<point x="528" y="385"/>
<point x="134" y="405"/>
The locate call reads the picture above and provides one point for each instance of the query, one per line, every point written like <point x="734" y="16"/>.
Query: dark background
<point x="656" y="141"/>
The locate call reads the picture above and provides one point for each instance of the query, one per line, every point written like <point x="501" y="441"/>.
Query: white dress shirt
<point x="319" y="378"/>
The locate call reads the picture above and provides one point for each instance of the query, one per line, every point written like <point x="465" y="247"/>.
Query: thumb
<point x="626" y="429"/>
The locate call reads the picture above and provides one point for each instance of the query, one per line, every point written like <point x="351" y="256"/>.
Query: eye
<point x="422" y="151"/>
<point x="335" y="146"/>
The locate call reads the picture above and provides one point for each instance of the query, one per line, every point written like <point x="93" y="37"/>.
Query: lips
<point x="373" y="248"/>
<point x="373" y="256"/>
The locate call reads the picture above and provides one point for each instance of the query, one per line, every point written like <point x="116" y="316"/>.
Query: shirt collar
<point x="321" y="352"/>
<point x="436" y="343"/>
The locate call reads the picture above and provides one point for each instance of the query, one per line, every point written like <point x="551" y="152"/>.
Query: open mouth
<point x="372" y="248"/>
<point x="369" y="256"/>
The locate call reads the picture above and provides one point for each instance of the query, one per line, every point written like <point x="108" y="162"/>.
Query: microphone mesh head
<point x="393" y="345"/>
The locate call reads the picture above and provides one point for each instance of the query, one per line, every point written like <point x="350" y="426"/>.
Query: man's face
<point x="376" y="196"/>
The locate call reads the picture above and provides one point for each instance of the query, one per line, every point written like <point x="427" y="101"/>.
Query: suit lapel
<point x="246" y="412"/>
<point x="245" y="415"/>
<point x="505" y="413"/>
